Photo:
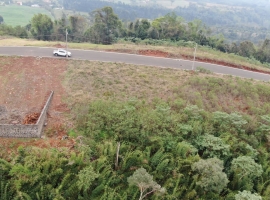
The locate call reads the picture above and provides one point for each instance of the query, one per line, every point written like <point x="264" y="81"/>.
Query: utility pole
<point x="66" y="43"/>
<point x="194" y="57"/>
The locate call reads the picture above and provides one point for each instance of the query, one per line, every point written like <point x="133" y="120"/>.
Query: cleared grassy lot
<point x="87" y="81"/>
<point x="20" y="15"/>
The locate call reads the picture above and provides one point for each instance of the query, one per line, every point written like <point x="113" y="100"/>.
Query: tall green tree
<point x="59" y="29"/>
<point x="247" y="49"/>
<point x="170" y="26"/>
<point x="196" y="29"/>
<point x="20" y="32"/>
<point x="234" y="48"/>
<point x="263" y="53"/>
<point x="218" y="42"/>
<point x="106" y="26"/>
<point x="142" y="27"/>
<point x="41" y="27"/>
<point x="78" y="26"/>
<point x="130" y="31"/>
<point x="210" y="175"/>
<point x="1" y="20"/>
<point x="245" y="170"/>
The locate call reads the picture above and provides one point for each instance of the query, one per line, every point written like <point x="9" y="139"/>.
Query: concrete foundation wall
<point x="43" y="116"/>
<point x="20" y="131"/>
<point x="27" y="131"/>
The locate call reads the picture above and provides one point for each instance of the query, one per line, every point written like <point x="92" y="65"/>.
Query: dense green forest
<point x="211" y="143"/>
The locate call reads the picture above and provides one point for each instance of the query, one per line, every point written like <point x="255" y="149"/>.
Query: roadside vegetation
<point x="158" y="127"/>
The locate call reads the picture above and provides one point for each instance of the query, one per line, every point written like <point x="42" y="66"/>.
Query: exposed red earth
<point x="25" y="85"/>
<point x="158" y="53"/>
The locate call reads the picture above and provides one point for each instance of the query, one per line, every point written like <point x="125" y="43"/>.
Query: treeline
<point x="248" y="19"/>
<point x="104" y="27"/>
<point x="1" y="20"/>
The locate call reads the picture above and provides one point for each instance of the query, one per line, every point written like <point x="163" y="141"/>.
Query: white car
<point x="61" y="52"/>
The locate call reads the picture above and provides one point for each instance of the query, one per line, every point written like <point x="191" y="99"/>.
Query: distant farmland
<point x="20" y="15"/>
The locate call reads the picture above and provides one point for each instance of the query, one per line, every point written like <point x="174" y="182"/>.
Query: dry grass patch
<point x="88" y="80"/>
<point x="10" y="41"/>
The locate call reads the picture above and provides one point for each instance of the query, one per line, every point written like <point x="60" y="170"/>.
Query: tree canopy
<point x="210" y="175"/>
<point x="106" y="26"/>
<point x="1" y="20"/>
<point x="41" y="27"/>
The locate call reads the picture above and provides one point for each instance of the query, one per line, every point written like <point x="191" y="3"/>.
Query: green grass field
<point x="20" y="15"/>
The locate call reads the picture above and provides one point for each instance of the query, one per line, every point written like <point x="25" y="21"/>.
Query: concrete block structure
<point x="27" y="131"/>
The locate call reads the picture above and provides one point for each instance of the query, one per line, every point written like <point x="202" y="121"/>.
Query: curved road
<point x="133" y="59"/>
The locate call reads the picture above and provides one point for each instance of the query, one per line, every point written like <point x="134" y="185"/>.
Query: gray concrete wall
<point x="43" y="116"/>
<point x="20" y="131"/>
<point x="27" y="131"/>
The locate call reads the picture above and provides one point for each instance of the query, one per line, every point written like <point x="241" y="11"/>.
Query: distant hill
<point x="245" y="3"/>
<point x="229" y="4"/>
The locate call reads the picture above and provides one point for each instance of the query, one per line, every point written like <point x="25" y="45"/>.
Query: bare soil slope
<point x="25" y="84"/>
